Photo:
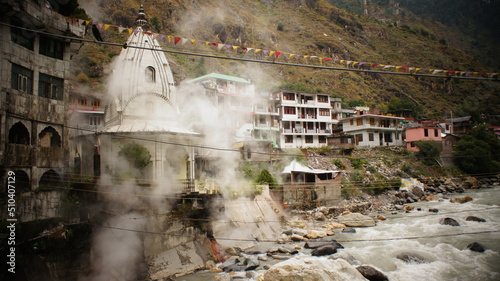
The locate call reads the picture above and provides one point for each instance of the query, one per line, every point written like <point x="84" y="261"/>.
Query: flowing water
<point x="443" y="247"/>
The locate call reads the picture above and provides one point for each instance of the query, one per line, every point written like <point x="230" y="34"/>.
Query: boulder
<point x="432" y="197"/>
<point x="476" y="247"/>
<point x="296" y="237"/>
<point x="357" y="220"/>
<point x="314" y="234"/>
<point x="333" y="225"/>
<point x="461" y="200"/>
<point x="349" y="230"/>
<point x="325" y="250"/>
<point x="471" y="182"/>
<point x="371" y="273"/>
<point x="449" y="221"/>
<point x="474" y="218"/>
<point x="319" y="216"/>
<point x="433" y="210"/>
<point x="411" y="258"/>
<point x="300" y="231"/>
<point x="312" y="269"/>
<point x="318" y="244"/>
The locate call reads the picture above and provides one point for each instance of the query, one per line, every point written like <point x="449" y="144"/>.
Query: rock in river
<point x="371" y="273"/>
<point x="476" y="247"/>
<point x="449" y="221"/>
<point x="474" y="218"/>
<point x="312" y="269"/>
<point x="356" y="220"/>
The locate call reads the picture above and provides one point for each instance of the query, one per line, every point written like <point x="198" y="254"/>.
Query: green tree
<point x="478" y="152"/>
<point x="428" y="151"/>
<point x="397" y="104"/>
<point x="266" y="178"/>
<point x="137" y="155"/>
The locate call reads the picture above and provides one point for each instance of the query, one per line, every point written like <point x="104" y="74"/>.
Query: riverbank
<point x="323" y="238"/>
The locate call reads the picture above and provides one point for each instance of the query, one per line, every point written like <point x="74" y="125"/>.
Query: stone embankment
<point x="307" y="250"/>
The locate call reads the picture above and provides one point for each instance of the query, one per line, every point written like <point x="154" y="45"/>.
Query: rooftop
<point x="220" y="76"/>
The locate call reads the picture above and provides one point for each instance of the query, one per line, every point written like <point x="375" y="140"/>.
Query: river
<point x="444" y="249"/>
<point x="419" y="232"/>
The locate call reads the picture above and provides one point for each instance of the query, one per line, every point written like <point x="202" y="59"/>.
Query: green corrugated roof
<point x="220" y="76"/>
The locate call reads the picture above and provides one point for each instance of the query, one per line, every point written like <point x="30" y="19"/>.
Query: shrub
<point x="428" y="151"/>
<point x="357" y="163"/>
<point x="338" y="163"/>
<point x="280" y="26"/>
<point x="266" y="178"/>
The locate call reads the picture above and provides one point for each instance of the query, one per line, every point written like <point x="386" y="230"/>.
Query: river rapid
<point x="443" y="247"/>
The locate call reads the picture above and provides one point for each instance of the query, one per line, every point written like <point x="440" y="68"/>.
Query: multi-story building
<point x="306" y="119"/>
<point x="34" y="63"/>
<point x="422" y="133"/>
<point x="252" y="117"/>
<point x="371" y="130"/>
<point x="34" y="85"/>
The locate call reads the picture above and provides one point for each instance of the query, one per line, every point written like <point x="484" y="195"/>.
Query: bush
<point x="357" y="163"/>
<point x="428" y="152"/>
<point x="280" y="27"/>
<point x="266" y="178"/>
<point x="478" y="152"/>
<point x="338" y="163"/>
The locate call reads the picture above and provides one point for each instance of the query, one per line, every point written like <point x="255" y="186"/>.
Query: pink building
<point x="421" y="134"/>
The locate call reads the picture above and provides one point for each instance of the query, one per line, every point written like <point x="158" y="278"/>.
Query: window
<point x="426" y="132"/>
<point x="370" y="137"/>
<point x="22" y="37"/>
<point x="288" y="139"/>
<point x="351" y="122"/>
<point x="322" y="98"/>
<point x="22" y="79"/>
<point x="372" y="121"/>
<point x="96" y="103"/>
<point x="51" y="47"/>
<point x="309" y="139"/>
<point x="324" y="112"/>
<point x="321" y="139"/>
<point x="95" y="120"/>
<point x="289" y="110"/>
<point x="50" y="87"/>
<point x="150" y="74"/>
<point x="359" y="122"/>
<point x="359" y="137"/>
<point x="288" y="96"/>
<point x="436" y="133"/>
<point x="82" y="101"/>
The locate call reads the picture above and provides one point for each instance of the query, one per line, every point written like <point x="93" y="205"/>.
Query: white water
<point x="445" y="252"/>
<point x="447" y="256"/>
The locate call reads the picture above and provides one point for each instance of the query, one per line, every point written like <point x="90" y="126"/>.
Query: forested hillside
<point x="387" y="35"/>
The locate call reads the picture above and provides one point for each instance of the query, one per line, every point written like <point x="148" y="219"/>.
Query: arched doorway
<point x="49" y="137"/>
<point x="19" y="134"/>
<point x="50" y="179"/>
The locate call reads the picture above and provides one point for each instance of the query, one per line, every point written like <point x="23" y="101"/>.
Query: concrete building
<point x="424" y="133"/>
<point x="34" y="64"/>
<point x="306" y="119"/>
<point x="370" y="130"/>
<point x="252" y="117"/>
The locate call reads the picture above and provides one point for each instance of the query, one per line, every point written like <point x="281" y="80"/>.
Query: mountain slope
<point x="311" y="27"/>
